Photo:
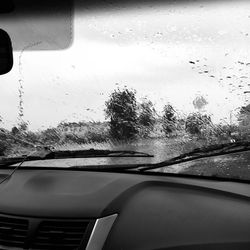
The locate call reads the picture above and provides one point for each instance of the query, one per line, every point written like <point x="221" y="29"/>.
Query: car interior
<point x="87" y="162"/>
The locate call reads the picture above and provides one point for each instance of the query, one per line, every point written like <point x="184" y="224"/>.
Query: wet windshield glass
<point x="161" y="78"/>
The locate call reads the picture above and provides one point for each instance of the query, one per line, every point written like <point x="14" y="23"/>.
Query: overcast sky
<point x="166" y="53"/>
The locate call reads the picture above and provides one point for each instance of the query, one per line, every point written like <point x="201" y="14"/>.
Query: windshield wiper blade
<point x="203" y="152"/>
<point x="63" y="154"/>
<point x="89" y="153"/>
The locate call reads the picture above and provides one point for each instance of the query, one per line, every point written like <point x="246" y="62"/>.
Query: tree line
<point x="129" y="118"/>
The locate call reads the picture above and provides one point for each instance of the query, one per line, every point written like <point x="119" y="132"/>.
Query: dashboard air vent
<point x="13" y="232"/>
<point x="63" y="235"/>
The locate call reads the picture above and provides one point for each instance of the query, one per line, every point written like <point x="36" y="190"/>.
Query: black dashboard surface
<point x="154" y="212"/>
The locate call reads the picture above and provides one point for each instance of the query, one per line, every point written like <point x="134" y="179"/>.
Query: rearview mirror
<point x="6" y="55"/>
<point x="6" y="6"/>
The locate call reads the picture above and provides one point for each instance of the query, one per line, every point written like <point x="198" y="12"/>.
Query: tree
<point x="244" y="116"/>
<point x="200" y="102"/>
<point x="51" y="136"/>
<point x="3" y="148"/>
<point x="146" y="117"/>
<point x="3" y="142"/>
<point x="196" y="122"/>
<point x="168" y="119"/>
<point x="121" y="109"/>
<point x="21" y="128"/>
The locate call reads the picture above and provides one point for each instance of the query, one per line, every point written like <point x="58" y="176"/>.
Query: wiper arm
<point x="203" y="152"/>
<point x="63" y="154"/>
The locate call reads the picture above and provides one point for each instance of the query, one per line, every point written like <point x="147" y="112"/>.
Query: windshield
<point x="160" y="77"/>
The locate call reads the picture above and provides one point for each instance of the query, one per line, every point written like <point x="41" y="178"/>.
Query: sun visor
<point x="38" y="25"/>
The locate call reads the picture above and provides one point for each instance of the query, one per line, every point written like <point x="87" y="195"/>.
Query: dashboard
<point x="77" y="209"/>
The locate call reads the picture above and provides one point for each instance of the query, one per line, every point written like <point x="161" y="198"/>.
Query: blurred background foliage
<point x="128" y="119"/>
